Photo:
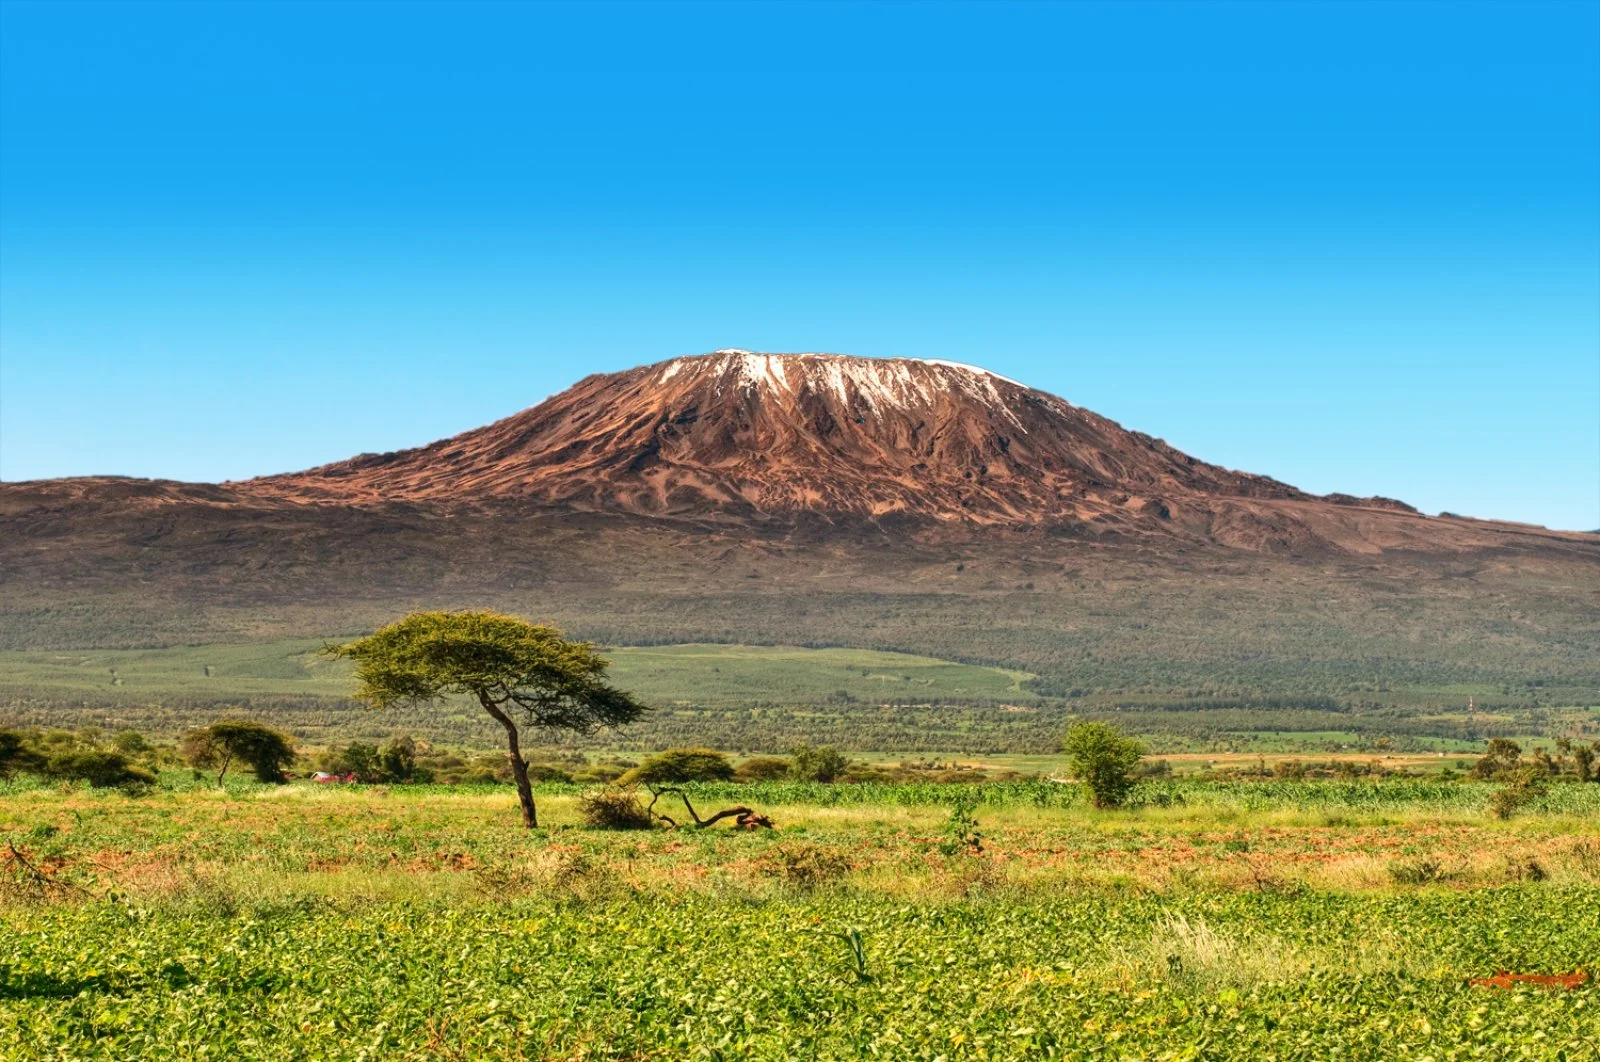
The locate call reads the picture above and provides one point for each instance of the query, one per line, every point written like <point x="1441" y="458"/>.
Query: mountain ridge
<point x="753" y="433"/>
<point x="769" y="441"/>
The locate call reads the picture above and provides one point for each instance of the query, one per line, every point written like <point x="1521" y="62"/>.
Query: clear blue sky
<point x="1356" y="247"/>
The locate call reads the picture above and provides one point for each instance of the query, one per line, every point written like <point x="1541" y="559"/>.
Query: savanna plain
<point x="1356" y="918"/>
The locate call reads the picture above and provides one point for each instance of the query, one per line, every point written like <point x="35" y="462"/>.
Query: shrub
<point x="961" y="831"/>
<point x="804" y="865"/>
<point x="1417" y="872"/>
<point x="1522" y="786"/>
<point x="399" y="759"/>
<point x="17" y="754"/>
<point x="820" y="763"/>
<point x="598" y="773"/>
<point x="611" y="809"/>
<point x="131" y="743"/>
<point x="547" y="772"/>
<point x="362" y="760"/>
<point x="1583" y="757"/>
<point x="101" y="768"/>
<point x="763" y="769"/>
<point x="1508" y="800"/>
<point x="1103" y="759"/>
<point x="1502" y="758"/>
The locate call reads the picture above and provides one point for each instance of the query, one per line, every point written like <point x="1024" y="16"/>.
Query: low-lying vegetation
<point x="1009" y="921"/>
<point x="381" y="900"/>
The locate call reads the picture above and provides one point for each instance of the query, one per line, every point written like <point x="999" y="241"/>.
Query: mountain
<point x="760" y="434"/>
<point x="820" y="499"/>
<point x="757" y="438"/>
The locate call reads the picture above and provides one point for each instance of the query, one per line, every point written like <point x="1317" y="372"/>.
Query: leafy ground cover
<point x="1294" y="920"/>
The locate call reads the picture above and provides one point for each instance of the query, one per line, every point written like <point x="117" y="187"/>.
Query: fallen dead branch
<point x="743" y="818"/>
<point x="26" y="876"/>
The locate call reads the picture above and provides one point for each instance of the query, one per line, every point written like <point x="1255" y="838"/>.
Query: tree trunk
<point x="226" y="760"/>
<point x="519" y="770"/>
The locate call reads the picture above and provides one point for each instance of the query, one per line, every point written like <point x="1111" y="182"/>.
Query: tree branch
<point x="744" y="818"/>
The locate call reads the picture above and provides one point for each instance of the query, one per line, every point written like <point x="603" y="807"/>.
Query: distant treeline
<point x="929" y="727"/>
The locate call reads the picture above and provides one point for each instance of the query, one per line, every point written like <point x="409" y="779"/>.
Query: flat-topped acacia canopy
<point x="523" y="674"/>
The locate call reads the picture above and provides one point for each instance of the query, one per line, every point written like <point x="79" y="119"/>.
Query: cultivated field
<point x="1307" y="920"/>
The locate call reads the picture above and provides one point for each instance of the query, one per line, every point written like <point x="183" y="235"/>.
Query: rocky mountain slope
<point x="736" y="435"/>
<point x="753" y="433"/>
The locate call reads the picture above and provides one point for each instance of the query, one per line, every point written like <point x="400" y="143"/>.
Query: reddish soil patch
<point x="1507" y="980"/>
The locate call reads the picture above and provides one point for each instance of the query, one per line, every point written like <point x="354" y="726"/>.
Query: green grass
<point x="1285" y="921"/>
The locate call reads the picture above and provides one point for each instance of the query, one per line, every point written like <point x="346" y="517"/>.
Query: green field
<point x="1291" y="921"/>
<point x="744" y="697"/>
<point x="700" y="674"/>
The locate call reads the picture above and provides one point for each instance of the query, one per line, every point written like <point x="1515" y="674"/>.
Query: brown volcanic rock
<point x="762" y="434"/>
<point x="815" y="448"/>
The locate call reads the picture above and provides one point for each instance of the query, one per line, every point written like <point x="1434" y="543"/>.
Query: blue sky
<point x="1355" y="247"/>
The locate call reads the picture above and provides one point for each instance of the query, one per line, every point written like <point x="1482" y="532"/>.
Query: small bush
<point x="18" y="754"/>
<point x="763" y="769"/>
<point x="1417" y="872"/>
<point x="598" y="773"/>
<point x="1525" y="868"/>
<point x="610" y="809"/>
<point x="961" y="832"/>
<point x="1521" y="789"/>
<point x="1103" y="759"/>
<point x="820" y="763"/>
<point x="562" y="874"/>
<point x="804" y="865"/>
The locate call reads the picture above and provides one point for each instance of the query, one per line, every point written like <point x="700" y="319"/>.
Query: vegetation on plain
<point x="1103" y="759"/>
<point x="266" y="751"/>
<point x="926" y="909"/>
<point x="523" y="675"/>
<point x="1000" y="921"/>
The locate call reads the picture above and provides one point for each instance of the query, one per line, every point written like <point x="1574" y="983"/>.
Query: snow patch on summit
<point x="879" y="383"/>
<point x="971" y="368"/>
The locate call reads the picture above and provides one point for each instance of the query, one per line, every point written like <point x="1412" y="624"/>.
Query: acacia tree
<point x="681" y="765"/>
<point x="268" y="752"/>
<point x="524" y="675"/>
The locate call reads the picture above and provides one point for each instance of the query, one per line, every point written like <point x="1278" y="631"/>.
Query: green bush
<point x="18" y="754"/>
<point x="681" y="765"/>
<point x="819" y="763"/>
<point x="763" y="769"/>
<point x="1103" y="759"/>
<point x="961" y="834"/>
<point x="101" y="768"/>
<point x="267" y="752"/>
<point x="804" y="864"/>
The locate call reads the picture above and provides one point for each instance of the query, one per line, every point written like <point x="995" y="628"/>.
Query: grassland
<point x="717" y="675"/>
<point x="753" y="698"/>
<point x="1285" y="920"/>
